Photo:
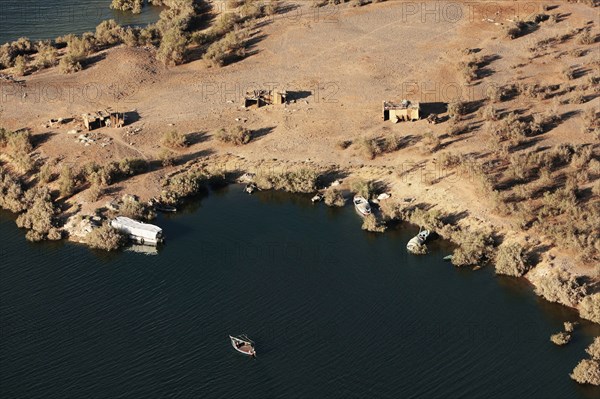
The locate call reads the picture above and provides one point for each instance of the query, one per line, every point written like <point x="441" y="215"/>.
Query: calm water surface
<point x="335" y="312"/>
<point x="47" y="19"/>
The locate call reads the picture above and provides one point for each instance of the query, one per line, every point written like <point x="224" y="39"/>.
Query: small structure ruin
<point x="404" y="111"/>
<point x="104" y="118"/>
<point x="260" y="98"/>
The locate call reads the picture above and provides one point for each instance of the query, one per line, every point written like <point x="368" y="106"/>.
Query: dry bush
<point x="47" y="55"/>
<point x="587" y="372"/>
<point x="569" y="327"/>
<point x="475" y="247"/>
<point x="468" y="69"/>
<point x="369" y="147"/>
<point x="131" y="167"/>
<point x="334" y="197"/>
<point x="589" y="308"/>
<point x="560" y="286"/>
<point x="166" y="158"/>
<point x="450" y="160"/>
<point x="45" y="173"/>
<point x="515" y="29"/>
<point x="135" y="6"/>
<point x="94" y="192"/>
<point x="19" y="148"/>
<point x="230" y="46"/>
<point x="511" y="260"/>
<point x="39" y="216"/>
<point x="105" y="238"/>
<point x="370" y="223"/>
<point x="489" y="113"/>
<point x="457" y="109"/>
<point x="69" y="64"/>
<point x="582" y="156"/>
<point x="20" y="67"/>
<point x="568" y="73"/>
<point x="108" y="33"/>
<point x="343" y="144"/>
<point x="301" y="180"/>
<point x="237" y="135"/>
<point x="431" y="142"/>
<point x="586" y="37"/>
<point x="594" y="349"/>
<point x="11" y="192"/>
<point x="174" y="139"/>
<point x="392" y="143"/>
<point x="560" y="339"/>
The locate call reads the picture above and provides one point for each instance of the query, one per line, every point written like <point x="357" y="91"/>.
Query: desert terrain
<point x="338" y="64"/>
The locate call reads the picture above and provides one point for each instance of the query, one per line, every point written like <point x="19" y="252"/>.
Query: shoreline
<point x="228" y="168"/>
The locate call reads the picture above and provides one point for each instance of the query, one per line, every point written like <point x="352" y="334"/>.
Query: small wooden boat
<point x="316" y="198"/>
<point x="383" y="196"/>
<point x="448" y="258"/>
<point x="250" y="188"/>
<point x="362" y="205"/>
<point x="243" y="344"/>
<point x="159" y="206"/>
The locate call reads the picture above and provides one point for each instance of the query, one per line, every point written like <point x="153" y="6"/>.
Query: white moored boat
<point x="362" y="205"/>
<point x="243" y="344"/>
<point x="141" y="233"/>
<point x="416" y="244"/>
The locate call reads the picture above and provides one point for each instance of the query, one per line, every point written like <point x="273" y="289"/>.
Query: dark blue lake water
<point x="335" y="312"/>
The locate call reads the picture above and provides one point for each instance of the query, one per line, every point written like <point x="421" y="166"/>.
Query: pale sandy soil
<point x="341" y="66"/>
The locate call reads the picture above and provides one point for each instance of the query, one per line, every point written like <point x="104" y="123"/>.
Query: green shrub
<point x="172" y="47"/>
<point x="300" y="180"/>
<point x="66" y="182"/>
<point x="364" y="188"/>
<point x="132" y="166"/>
<point x="105" y="238"/>
<point x="184" y="185"/>
<point x="39" y="215"/>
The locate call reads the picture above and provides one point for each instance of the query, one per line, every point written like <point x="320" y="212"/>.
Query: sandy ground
<point x="339" y="66"/>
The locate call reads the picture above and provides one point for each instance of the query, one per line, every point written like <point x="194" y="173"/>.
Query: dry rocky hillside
<point x="510" y="171"/>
